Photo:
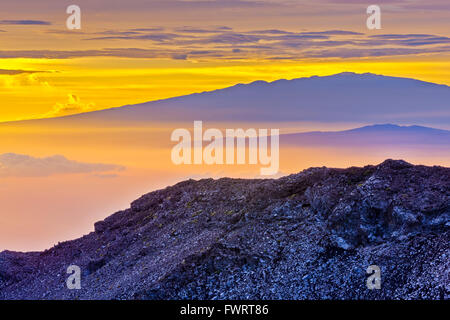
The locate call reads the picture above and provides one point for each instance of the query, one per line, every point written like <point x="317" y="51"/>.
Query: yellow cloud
<point x="72" y="106"/>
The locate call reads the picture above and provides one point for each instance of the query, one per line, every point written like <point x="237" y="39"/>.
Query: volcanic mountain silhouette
<point x="349" y="97"/>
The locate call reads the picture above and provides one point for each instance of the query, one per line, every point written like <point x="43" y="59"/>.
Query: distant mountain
<point x="347" y="97"/>
<point x="310" y="235"/>
<point x="381" y="134"/>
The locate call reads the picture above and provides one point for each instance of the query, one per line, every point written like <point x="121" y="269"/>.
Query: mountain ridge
<point x="378" y="134"/>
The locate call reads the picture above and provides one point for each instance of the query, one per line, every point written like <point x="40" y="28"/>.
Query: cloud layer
<point x="20" y="165"/>
<point x="25" y="22"/>
<point x="15" y="72"/>
<point x="216" y="43"/>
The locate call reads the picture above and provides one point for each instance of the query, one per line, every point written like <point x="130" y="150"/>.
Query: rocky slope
<point x="310" y="235"/>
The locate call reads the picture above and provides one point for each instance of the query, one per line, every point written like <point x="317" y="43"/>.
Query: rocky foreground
<point x="310" y="235"/>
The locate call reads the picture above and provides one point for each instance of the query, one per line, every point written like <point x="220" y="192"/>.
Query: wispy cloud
<point x="230" y="38"/>
<point x="21" y="165"/>
<point x="194" y="30"/>
<point x="25" y="22"/>
<point x="400" y="36"/>
<point x="15" y="72"/>
<point x="412" y="40"/>
<point x="186" y="43"/>
<point x="361" y="53"/>
<point x="56" y="54"/>
<point x="134" y="35"/>
<point x="335" y="33"/>
<point x="151" y="29"/>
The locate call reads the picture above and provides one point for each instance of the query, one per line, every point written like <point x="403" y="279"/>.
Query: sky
<point x="134" y="51"/>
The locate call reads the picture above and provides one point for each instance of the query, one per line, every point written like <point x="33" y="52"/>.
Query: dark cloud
<point x="283" y="58"/>
<point x="201" y="30"/>
<point x="196" y="43"/>
<point x="25" y="22"/>
<point x="55" y="54"/>
<point x="271" y="31"/>
<point x="130" y="35"/>
<point x="15" y="72"/>
<point x="331" y="43"/>
<point x="334" y="33"/>
<point x="400" y="36"/>
<point x="300" y="36"/>
<point x="118" y="33"/>
<point x="231" y="38"/>
<point x="224" y="28"/>
<point x="152" y="29"/>
<point x="408" y="40"/>
<point x="180" y="56"/>
<point x="361" y="53"/>
<point x="216" y="36"/>
<point x="423" y="42"/>
<point x="201" y="52"/>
